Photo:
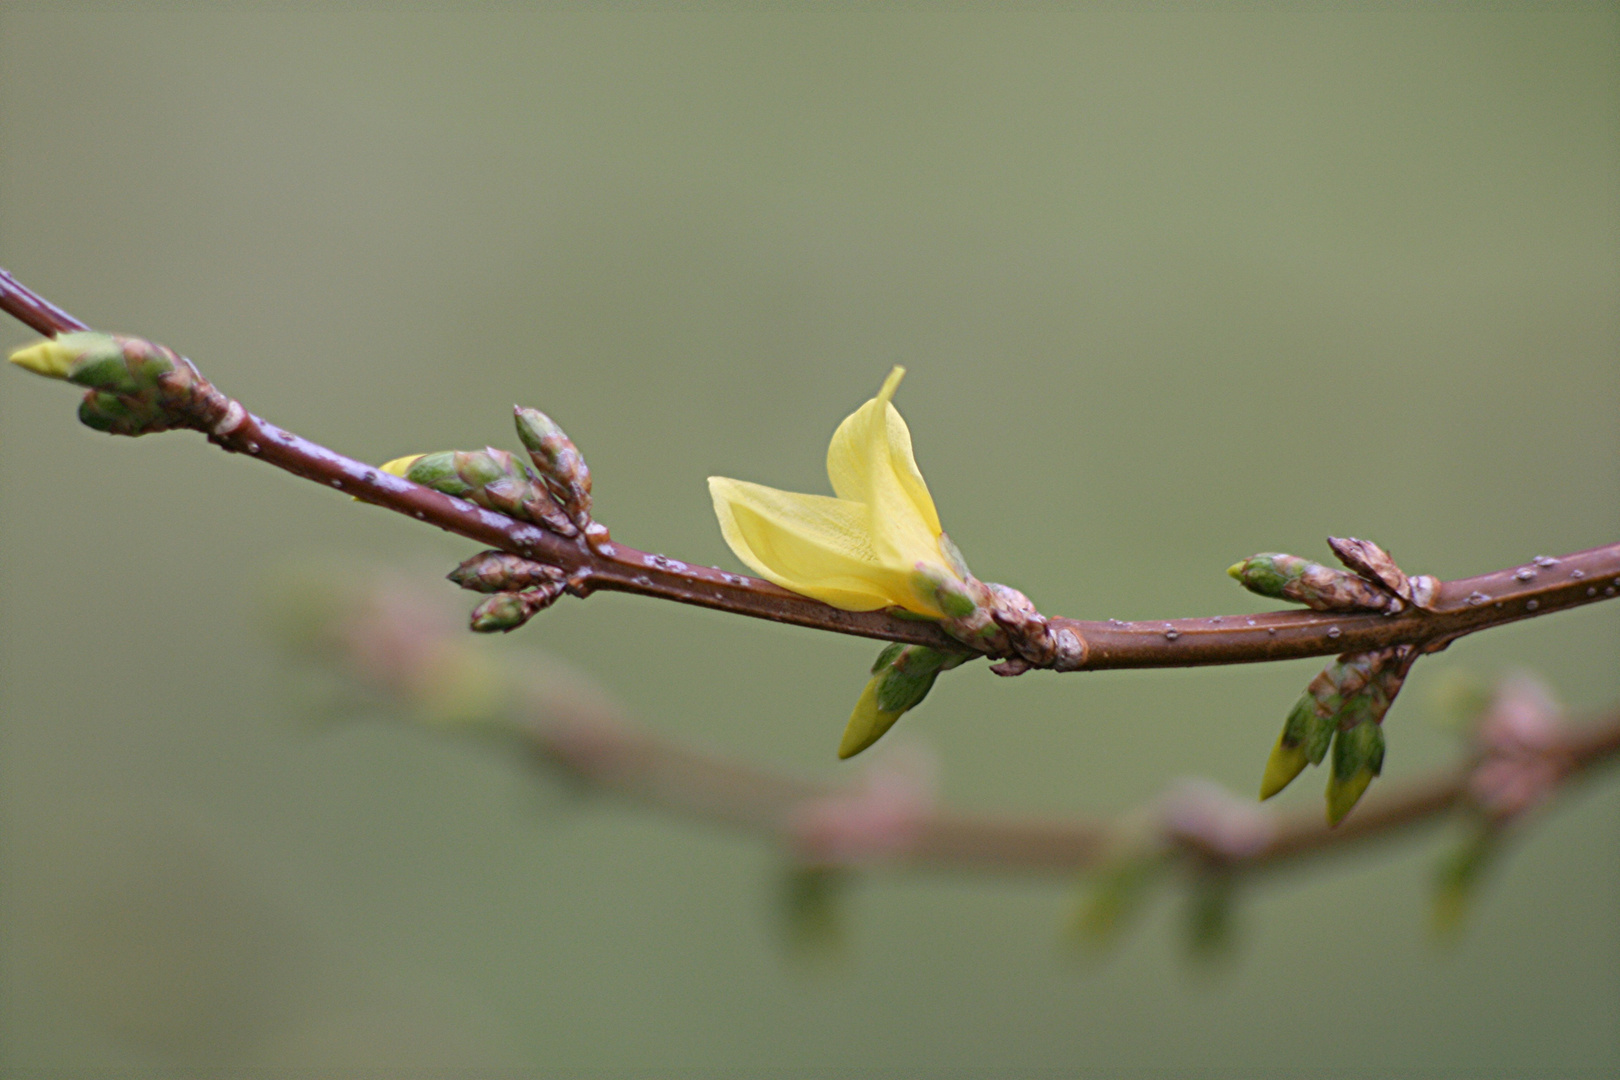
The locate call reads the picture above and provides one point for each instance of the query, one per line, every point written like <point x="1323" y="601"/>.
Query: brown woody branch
<point x="1465" y="606"/>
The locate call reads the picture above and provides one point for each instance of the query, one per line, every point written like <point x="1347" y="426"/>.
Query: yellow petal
<point x="811" y="544"/>
<point x="401" y="465"/>
<point x="870" y="461"/>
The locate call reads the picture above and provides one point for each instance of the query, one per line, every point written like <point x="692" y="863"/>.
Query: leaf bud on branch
<point x="135" y="387"/>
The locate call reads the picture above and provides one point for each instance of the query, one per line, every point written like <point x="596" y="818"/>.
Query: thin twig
<point x="1464" y="606"/>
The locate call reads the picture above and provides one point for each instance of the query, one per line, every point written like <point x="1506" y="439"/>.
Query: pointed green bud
<point x="85" y="357"/>
<point x="501" y="613"/>
<point x="1358" y="756"/>
<point x="1352" y="693"/>
<point x="901" y="678"/>
<point x="499" y="571"/>
<point x="504" y="612"/>
<point x="1285" y="763"/>
<point x="1268" y="573"/>
<point x="1322" y="588"/>
<point x="560" y="464"/>
<point x="136" y="387"/>
<point x="437" y="471"/>
<point x="868" y="723"/>
<point x="490" y="478"/>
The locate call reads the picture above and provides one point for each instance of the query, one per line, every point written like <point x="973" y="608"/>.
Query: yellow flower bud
<point x="51" y="359"/>
<point x="402" y="465"/>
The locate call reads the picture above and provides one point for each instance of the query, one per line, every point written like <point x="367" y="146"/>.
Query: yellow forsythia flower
<point x="876" y="545"/>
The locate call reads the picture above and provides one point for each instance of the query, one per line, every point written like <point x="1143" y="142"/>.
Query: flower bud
<point x="506" y="611"/>
<point x="499" y="571"/>
<point x="1322" y="588"/>
<point x="1355" y="689"/>
<point x="901" y="678"/>
<point x="559" y="462"/>
<point x="1358" y="756"/>
<point x="136" y="387"/>
<point x="490" y="478"/>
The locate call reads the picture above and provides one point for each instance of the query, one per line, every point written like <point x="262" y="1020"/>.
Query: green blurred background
<point x="1174" y="285"/>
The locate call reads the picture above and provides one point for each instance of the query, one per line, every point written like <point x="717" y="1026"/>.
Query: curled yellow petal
<point x="811" y="544"/>
<point x="870" y="462"/>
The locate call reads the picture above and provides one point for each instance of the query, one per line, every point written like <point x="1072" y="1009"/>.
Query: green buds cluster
<point x="136" y="387"/>
<point x="901" y="678"/>
<point x="1343" y="707"/>
<point x="521" y="589"/>
<point x="1289" y="577"/>
<point x="490" y="478"/>
<point x="560" y="464"/>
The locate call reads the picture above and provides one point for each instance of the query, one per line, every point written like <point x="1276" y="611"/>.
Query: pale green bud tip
<point x="1285" y="763"/>
<point x="1235" y="571"/>
<point x="1342" y="795"/>
<point x="535" y="427"/>
<point x="51" y="359"/>
<point x="868" y="723"/>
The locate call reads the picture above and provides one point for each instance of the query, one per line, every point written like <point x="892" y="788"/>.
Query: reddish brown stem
<point x="1465" y="606"/>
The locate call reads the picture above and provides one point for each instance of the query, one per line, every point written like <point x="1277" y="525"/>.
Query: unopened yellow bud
<point x="48" y="358"/>
<point x="1285" y="763"/>
<point x="402" y="465"/>
<point x="1343" y="794"/>
<point x="868" y="722"/>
